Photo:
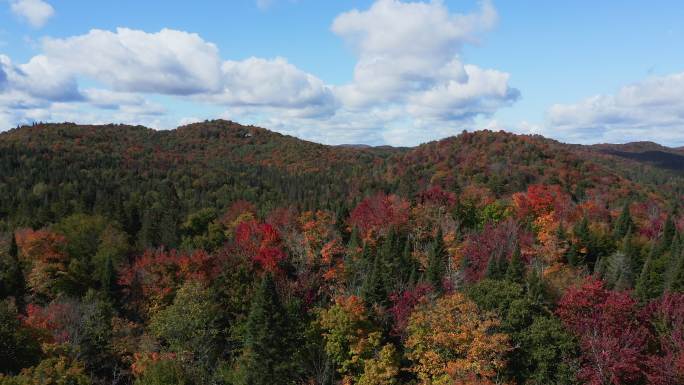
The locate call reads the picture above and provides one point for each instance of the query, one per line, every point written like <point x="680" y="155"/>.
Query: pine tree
<point x="12" y="283"/>
<point x="677" y="284"/>
<point x="108" y="278"/>
<point x="436" y="266"/>
<point x="651" y="281"/>
<point x="373" y="287"/>
<point x="496" y="267"/>
<point x="627" y="261"/>
<point x="267" y="354"/>
<point x="624" y="223"/>
<point x="516" y="267"/>
<point x="536" y="290"/>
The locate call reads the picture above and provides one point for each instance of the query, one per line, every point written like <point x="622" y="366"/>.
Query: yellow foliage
<point x="451" y="341"/>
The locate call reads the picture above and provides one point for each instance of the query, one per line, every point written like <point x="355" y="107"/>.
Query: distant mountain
<point x="647" y="152"/>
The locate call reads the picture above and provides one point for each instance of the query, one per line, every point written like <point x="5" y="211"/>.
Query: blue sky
<point x="378" y="72"/>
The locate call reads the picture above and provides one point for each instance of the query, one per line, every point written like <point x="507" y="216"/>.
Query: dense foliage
<point x="224" y="254"/>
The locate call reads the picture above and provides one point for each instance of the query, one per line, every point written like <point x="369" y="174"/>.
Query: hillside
<point x="216" y="253"/>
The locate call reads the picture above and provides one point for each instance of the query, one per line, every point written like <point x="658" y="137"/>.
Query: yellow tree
<point x="452" y="342"/>
<point x="354" y="343"/>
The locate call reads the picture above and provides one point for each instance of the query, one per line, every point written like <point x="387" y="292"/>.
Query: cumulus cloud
<point x="409" y="57"/>
<point x="167" y="62"/>
<point x="35" y="12"/>
<point x="652" y="108"/>
<point x="38" y="79"/>
<point x="256" y="82"/>
<point x="410" y="82"/>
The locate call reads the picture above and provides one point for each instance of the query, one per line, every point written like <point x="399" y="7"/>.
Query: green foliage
<point x="515" y="272"/>
<point x="164" y="372"/>
<point x="624" y="223"/>
<point x="267" y="356"/>
<point x="51" y="371"/>
<point x="189" y="325"/>
<point x="19" y="347"/>
<point x="12" y="282"/>
<point x="436" y="263"/>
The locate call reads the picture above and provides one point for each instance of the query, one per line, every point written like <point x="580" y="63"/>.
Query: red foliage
<point x="543" y="199"/>
<point x="403" y="304"/>
<point x="375" y="215"/>
<point x="237" y="209"/>
<point x="667" y="321"/>
<point x="612" y="333"/>
<point x="261" y="243"/>
<point x="495" y="239"/>
<point x="41" y="245"/>
<point x="436" y="195"/>
<point x="155" y="275"/>
<point x="51" y="319"/>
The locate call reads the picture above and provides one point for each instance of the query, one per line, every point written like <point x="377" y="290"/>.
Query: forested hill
<point x="126" y="172"/>
<point x="218" y="253"/>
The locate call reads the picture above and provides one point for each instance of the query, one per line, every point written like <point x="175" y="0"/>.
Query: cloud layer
<point x="410" y="83"/>
<point x="652" y="108"/>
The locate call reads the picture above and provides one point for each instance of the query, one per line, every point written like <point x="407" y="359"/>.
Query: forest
<point x="218" y="253"/>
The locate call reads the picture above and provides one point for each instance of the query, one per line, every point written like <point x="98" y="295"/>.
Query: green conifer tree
<point x="516" y="267"/>
<point x="436" y="266"/>
<point x="623" y="224"/>
<point x="267" y="355"/>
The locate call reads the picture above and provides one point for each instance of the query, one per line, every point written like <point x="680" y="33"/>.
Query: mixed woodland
<point x="218" y="253"/>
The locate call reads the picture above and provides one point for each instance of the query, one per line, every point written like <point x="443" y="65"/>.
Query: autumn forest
<point x="218" y="253"/>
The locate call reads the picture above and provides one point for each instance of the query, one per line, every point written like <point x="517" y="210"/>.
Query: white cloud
<point x="410" y="82"/>
<point x="652" y="108"/>
<point x="409" y="57"/>
<point x="166" y="62"/>
<point x="35" y="12"/>
<point x="256" y="82"/>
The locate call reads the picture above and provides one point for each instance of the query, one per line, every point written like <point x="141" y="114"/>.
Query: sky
<point x="351" y="71"/>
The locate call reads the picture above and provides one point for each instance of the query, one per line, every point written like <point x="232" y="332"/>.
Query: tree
<point x="12" y="283"/>
<point x="515" y="272"/>
<point x="612" y="335"/>
<point x="353" y="341"/>
<point x="651" y="282"/>
<point x="267" y="357"/>
<point x="436" y="263"/>
<point x="60" y="370"/>
<point x="189" y="326"/>
<point x="552" y="353"/>
<point x="624" y="223"/>
<point x="18" y="346"/>
<point x="163" y="372"/>
<point x="452" y="341"/>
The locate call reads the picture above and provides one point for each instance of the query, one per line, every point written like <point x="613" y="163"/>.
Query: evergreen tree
<point x="12" y="283"/>
<point x="108" y="278"/>
<point x="267" y="354"/>
<point x="496" y="267"/>
<point x="436" y="264"/>
<point x="516" y="267"/>
<point x="677" y="284"/>
<point x="373" y="287"/>
<point x="623" y="224"/>
<point x="651" y="281"/>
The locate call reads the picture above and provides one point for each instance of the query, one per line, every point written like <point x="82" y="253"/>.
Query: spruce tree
<point x="651" y="281"/>
<point x="516" y="267"/>
<point x="108" y="278"/>
<point x="436" y="267"/>
<point x="12" y="283"/>
<point x="373" y="287"/>
<point x="267" y="354"/>
<point x="623" y="224"/>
